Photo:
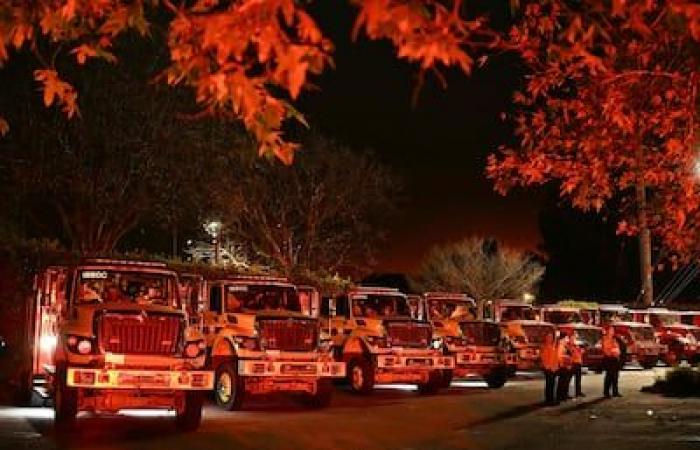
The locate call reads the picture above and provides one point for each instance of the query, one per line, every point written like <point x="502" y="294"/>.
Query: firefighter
<point x="565" y="368"/>
<point x="550" y="365"/>
<point x="577" y="364"/>
<point x="611" y="362"/>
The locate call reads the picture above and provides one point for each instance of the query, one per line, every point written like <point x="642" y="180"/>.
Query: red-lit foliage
<point x="611" y="96"/>
<point x="246" y="59"/>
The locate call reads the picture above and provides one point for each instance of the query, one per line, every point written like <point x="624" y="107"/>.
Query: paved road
<point x="467" y="416"/>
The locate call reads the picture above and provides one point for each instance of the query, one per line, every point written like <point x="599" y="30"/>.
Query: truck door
<point x="50" y="291"/>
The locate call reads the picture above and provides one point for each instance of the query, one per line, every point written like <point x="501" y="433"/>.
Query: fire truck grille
<point x="408" y="334"/>
<point x="296" y="335"/>
<point x="152" y="334"/>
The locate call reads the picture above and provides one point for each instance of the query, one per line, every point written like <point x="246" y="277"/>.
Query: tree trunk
<point x="645" y="269"/>
<point x="174" y="241"/>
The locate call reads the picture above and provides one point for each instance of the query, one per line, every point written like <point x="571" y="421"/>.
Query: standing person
<point x="611" y="362"/>
<point x="577" y="364"/>
<point x="565" y="368"/>
<point x="621" y="362"/>
<point x="550" y="365"/>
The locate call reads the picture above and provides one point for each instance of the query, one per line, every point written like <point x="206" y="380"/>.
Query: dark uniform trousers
<point x="612" y="375"/>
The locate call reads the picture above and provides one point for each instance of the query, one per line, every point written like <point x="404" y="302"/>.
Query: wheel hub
<point x="357" y="377"/>
<point x="224" y="387"/>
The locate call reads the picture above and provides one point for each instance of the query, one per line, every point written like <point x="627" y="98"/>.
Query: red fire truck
<point x="679" y="339"/>
<point x="263" y="338"/>
<point x="476" y="345"/>
<point x="373" y="331"/>
<point x="589" y="339"/>
<point x="642" y="346"/>
<point x="108" y="335"/>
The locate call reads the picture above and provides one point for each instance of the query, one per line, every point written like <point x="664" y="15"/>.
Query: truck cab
<point x="108" y="335"/>
<point x="372" y="330"/>
<point x="642" y="346"/>
<point x="525" y="338"/>
<point x="260" y="341"/>
<point x="589" y="339"/>
<point x="476" y="345"/>
<point x="679" y="339"/>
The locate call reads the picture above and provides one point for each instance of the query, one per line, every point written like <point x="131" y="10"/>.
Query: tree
<point x="129" y="160"/>
<point x="323" y="214"/>
<point x="480" y="268"/>
<point x="609" y="112"/>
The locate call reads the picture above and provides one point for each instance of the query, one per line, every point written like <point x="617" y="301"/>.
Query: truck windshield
<point x="115" y="286"/>
<point x="261" y="297"/>
<point x="590" y="336"/>
<point x="535" y="333"/>
<point x="449" y="309"/>
<point x="560" y="317"/>
<point x="372" y="306"/>
<point x="481" y="333"/>
<point x="518" y="313"/>
<point x="642" y="333"/>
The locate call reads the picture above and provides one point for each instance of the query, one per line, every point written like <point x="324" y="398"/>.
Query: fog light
<point x="259" y="368"/>
<point x="192" y="350"/>
<point x="198" y="380"/>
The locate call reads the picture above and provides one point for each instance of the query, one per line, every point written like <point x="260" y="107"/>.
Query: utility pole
<point x="645" y="269"/>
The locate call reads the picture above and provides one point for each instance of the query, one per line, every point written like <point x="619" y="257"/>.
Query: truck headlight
<point x="248" y="343"/>
<point x="436" y="343"/>
<point x="376" y="341"/>
<point x="195" y="349"/>
<point x="80" y="344"/>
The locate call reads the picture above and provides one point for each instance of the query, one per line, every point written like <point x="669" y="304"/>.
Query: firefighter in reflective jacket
<point x="565" y="368"/>
<point x="549" y="354"/>
<point x="577" y="364"/>
<point x="611" y="362"/>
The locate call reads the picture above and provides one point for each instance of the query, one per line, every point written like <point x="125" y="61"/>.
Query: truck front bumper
<point x="92" y="378"/>
<point x="290" y="369"/>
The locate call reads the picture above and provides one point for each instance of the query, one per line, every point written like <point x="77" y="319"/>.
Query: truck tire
<point x="432" y="386"/>
<point x="496" y="379"/>
<point x="65" y="401"/>
<point x="322" y="397"/>
<point x="446" y="378"/>
<point x="361" y="376"/>
<point x="229" y="387"/>
<point x="670" y="360"/>
<point x="190" y="417"/>
<point x="650" y="363"/>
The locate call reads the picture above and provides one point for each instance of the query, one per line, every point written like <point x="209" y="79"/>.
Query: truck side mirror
<point x="332" y="308"/>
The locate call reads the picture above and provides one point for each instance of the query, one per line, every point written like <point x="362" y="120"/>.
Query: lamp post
<point x="213" y="228"/>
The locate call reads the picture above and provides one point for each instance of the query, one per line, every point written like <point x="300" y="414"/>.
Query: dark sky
<point x="439" y="147"/>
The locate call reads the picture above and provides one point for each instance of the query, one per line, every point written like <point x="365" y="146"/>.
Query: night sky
<point x="439" y="147"/>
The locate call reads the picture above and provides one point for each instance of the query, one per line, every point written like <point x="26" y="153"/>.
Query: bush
<point x="679" y="382"/>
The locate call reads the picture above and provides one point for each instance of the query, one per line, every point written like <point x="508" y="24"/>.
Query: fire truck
<point x="680" y="340"/>
<point x="589" y="339"/>
<point x="372" y="330"/>
<point x="525" y="338"/>
<point x="107" y="335"/>
<point x="261" y="342"/>
<point x="642" y="346"/>
<point x="476" y="345"/>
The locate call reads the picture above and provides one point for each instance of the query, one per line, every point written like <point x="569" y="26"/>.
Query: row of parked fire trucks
<point x="107" y="335"/>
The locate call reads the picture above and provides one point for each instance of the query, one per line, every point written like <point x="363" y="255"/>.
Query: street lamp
<point x="213" y="228"/>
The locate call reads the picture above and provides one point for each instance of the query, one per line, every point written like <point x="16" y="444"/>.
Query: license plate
<point x="306" y="369"/>
<point x="144" y="379"/>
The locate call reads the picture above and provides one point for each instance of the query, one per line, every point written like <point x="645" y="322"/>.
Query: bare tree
<point x="325" y="212"/>
<point x="481" y="268"/>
